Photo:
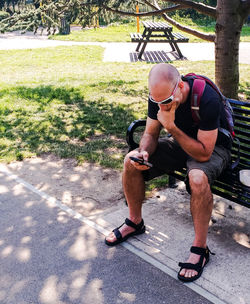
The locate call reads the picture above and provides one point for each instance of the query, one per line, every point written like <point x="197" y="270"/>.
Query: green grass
<point x="112" y="33"/>
<point x="120" y="33"/>
<point x="66" y="101"/>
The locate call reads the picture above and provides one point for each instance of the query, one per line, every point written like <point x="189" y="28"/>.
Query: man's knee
<point x="127" y="161"/>
<point x="197" y="180"/>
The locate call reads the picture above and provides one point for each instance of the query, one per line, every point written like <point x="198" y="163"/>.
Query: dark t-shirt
<point x="212" y="114"/>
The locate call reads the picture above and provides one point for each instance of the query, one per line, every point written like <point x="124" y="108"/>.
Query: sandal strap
<point x="117" y="233"/>
<point x="137" y="227"/>
<point x="198" y="250"/>
<point x="128" y="222"/>
<point x="196" y="267"/>
<point x="210" y="251"/>
<point x="204" y="254"/>
<point x="201" y="251"/>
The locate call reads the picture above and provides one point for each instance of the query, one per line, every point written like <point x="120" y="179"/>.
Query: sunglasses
<point x="168" y="100"/>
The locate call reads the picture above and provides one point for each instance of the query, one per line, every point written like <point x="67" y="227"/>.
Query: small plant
<point x="19" y="156"/>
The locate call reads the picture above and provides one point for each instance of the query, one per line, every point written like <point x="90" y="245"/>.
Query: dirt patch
<point x="88" y="189"/>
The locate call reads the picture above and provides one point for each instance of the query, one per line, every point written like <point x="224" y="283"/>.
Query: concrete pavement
<point x="28" y="211"/>
<point x="49" y="257"/>
<point x="123" y="52"/>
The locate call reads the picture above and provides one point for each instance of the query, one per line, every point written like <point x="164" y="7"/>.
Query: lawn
<point x="66" y="101"/>
<point x="120" y="33"/>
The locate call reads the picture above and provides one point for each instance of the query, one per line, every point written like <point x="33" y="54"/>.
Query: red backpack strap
<point x="191" y="75"/>
<point x="197" y="91"/>
<point x="208" y="81"/>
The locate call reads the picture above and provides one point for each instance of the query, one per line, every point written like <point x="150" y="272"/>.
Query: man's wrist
<point x="142" y="150"/>
<point x="171" y="127"/>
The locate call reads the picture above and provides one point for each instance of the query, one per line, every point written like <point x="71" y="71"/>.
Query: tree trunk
<point x="229" y="23"/>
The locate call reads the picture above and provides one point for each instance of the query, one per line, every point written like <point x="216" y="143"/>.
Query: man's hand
<point x="166" y="115"/>
<point x="142" y="155"/>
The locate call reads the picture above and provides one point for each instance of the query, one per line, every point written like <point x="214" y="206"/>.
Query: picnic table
<point x="157" y="32"/>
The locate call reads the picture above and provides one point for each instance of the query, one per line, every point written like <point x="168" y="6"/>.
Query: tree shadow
<point x="156" y="56"/>
<point x="61" y="120"/>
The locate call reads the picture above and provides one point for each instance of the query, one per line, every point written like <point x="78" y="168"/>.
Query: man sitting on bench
<point x="201" y="148"/>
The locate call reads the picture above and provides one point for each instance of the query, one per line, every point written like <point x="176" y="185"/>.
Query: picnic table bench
<point x="228" y="184"/>
<point x="157" y="32"/>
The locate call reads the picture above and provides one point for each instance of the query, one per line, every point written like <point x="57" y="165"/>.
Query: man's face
<point x="165" y="95"/>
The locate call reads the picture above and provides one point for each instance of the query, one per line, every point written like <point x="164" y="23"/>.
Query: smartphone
<point x="141" y="161"/>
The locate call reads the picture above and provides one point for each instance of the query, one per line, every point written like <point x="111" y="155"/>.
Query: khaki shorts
<point x="169" y="157"/>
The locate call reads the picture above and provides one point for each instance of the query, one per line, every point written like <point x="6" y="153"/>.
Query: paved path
<point x="123" y="52"/>
<point x="49" y="257"/>
<point x="49" y="250"/>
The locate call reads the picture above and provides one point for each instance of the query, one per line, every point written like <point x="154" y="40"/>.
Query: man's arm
<point x="200" y="149"/>
<point x="148" y="143"/>
<point x="150" y="136"/>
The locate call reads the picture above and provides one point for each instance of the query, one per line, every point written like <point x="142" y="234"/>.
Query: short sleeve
<point x="210" y="110"/>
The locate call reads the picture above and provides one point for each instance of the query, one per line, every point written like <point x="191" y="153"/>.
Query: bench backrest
<point x="242" y="130"/>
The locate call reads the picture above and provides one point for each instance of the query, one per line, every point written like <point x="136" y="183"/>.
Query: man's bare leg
<point x="134" y="190"/>
<point x="201" y="205"/>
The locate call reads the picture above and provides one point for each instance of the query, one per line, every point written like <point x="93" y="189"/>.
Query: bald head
<point x="162" y="74"/>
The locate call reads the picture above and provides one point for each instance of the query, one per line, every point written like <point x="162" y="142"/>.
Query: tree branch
<point x="200" y="7"/>
<point x="153" y="13"/>
<point x="207" y="37"/>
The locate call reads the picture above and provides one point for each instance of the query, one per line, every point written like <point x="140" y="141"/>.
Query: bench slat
<point x="241" y="111"/>
<point x="137" y="37"/>
<point x="239" y="125"/>
<point x="156" y="25"/>
<point x="239" y="103"/>
<point x="238" y="117"/>
<point x="241" y="133"/>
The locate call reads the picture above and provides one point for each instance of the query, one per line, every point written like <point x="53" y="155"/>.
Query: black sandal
<point x="139" y="229"/>
<point x="204" y="253"/>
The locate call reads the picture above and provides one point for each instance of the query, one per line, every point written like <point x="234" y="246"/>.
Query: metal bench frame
<point x="228" y="184"/>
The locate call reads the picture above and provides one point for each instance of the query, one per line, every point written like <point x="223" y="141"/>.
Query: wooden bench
<point x="157" y="32"/>
<point x="177" y="37"/>
<point x="228" y="184"/>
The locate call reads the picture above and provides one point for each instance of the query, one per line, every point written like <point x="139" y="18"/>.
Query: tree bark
<point x="229" y="22"/>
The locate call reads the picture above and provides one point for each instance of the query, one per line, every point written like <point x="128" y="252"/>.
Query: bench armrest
<point x="130" y="133"/>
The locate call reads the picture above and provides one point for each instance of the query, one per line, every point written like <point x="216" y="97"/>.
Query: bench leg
<point x="178" y="50"/>
<point x="138" y="47"/>
<point x="173" y="45"/>
<point x="142" y="50"/>
<point x="144" y="34"/>
<point x="172" y="182"/>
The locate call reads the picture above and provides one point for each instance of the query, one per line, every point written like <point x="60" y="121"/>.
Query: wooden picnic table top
<point x="157" y="26"/>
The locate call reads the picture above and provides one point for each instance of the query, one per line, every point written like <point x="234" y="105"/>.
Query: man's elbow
<point x="204" y="158"/>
